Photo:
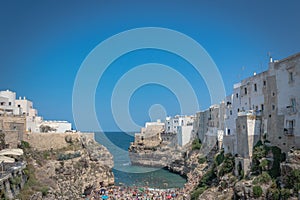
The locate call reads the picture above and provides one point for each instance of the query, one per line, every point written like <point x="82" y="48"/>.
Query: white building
<point x="57" y="126"/>
<point x="172" y="123"/>
<point x="184" y="134"/>
<point x="33" y="121"/>
<point x="182" y="125"/>
<point x="9" y="105"/>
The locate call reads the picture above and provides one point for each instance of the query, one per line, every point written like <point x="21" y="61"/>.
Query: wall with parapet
<point x="47" y="141"/>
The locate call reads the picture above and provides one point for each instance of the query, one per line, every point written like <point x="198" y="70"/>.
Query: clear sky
<point x="43" y="44"/>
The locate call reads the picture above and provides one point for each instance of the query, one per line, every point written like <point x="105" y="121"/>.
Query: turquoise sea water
<point x="126" y="174"/>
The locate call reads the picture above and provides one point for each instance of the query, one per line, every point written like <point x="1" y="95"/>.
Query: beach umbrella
<point x="141" y="189"/>
<point x="104" y="197"/>
<point x="169" y="197"/>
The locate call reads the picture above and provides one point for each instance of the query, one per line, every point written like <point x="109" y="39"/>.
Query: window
<point x="262" y="106"/>
<point x="19" y="106"/>
<point x="273" y="107"/>
<point x="228" y="131"/>
<point x="290" y="123"/>
<point x="291" y="77"/>
<point x="9" y="103"/>
<point x="245" y="90"/>
<point x="273" y="94"/>
<point x="237" y="95"/>
<point x="238" y="110"/>
<point x="230" y="112"/>
<point x="293" y="104"/>
<point x="265" y="83"/>
<point x="255" y="87"/>
<point x="2" y="103"/>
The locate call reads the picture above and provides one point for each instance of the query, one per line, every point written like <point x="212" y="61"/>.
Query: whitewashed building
<point x="9" y="105"/>
<point x="182" y="126"/>
<point x="57" y="126"/>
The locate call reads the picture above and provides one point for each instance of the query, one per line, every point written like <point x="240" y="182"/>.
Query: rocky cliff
<point x="69" y="172"/>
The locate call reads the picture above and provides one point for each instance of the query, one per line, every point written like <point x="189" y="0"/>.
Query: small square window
<point x="291" y="77"/>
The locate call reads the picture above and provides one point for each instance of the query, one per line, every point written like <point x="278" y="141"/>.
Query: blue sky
<point x="43" y="43"/>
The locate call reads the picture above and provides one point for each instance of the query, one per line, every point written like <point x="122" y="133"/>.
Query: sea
<point x="129" y="175"/>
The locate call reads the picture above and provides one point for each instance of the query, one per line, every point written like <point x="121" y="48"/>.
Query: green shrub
<point x="293" y="180"/>
<point x="68" y="156"/>
<point x="257" y="191"/>
<point x="228" y="165"/>
<point x="46" y="154"/>
<point x="263" y="178"/>
<point x="44" y="190"/>
<point x="208" y="177"/>
<point x="273" y="193"/>
<point x="263" y="164"/>
<point x="285" y="193"/>
<point x="24" y="145"/>
<point x="202" y="160"/>
<point x="196" y="193"/>
<point x="277" y="155"/>
<point x="196" y="144"/>
<point x="219" y="158"/>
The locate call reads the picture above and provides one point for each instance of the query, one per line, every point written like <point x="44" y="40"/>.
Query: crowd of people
<point x="136" y="193"/>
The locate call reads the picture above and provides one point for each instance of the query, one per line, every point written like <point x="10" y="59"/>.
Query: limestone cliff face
<point x="69" y="172"/>
<point x="73" y="176"/>
<point x="155" y="157"/>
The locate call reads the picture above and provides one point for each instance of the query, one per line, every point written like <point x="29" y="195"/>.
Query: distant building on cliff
<point x="209" y="126"/>
<point x="264" y="107"/>
<point x="182" y="126"/>
<point x="150" y="135"/>
<point x="10" y="106"/>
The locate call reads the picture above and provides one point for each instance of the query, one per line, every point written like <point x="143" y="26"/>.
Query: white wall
<point x="287" y="89"/>
<point x="184" y="135"/>
<point x="60" y="126"/>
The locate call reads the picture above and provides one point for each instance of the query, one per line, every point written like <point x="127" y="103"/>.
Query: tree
<point x="46" y="128"/>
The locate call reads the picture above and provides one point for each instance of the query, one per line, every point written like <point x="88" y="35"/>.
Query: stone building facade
<point x="264" y="107"/>
<point x="12" y="129"/>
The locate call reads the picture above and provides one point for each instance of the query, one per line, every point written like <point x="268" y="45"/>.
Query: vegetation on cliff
<point x="273" y="176"/>
<point x="66" y="172"/>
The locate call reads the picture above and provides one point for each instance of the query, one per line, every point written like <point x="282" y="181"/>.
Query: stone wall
<point x="47" y="141"/>
<point x="13" y="128"/>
